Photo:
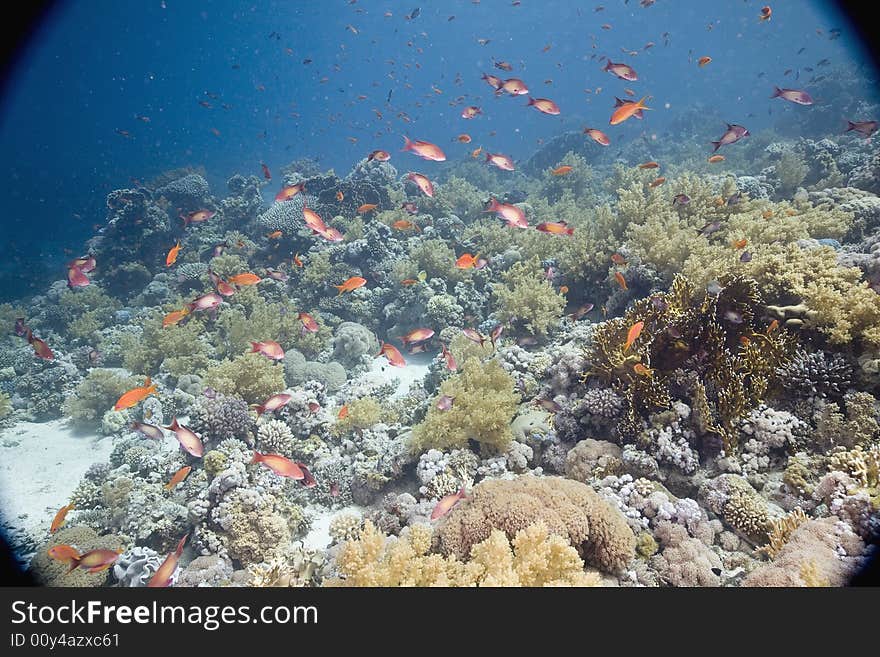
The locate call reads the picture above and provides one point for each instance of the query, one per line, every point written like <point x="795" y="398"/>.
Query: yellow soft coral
<point x="537" y="559"/>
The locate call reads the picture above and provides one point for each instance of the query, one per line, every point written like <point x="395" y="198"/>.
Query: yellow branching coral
<point x="567" y="508"/>
<point x="780" y="531"/>
<point x="484" y="403"/>
<point x="537" y="559"/>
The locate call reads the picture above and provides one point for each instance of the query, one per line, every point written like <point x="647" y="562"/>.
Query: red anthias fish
<point x="266" y="173"/>
<point x="425" y="150"/>
<point x="273" y="403"/>
<point x="393" y="355"/>
<point x="793" y="96"/>
<point x="165" y="573"/>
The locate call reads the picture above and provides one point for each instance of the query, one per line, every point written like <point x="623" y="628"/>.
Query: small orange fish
<point x="393" y="355"/>
<point x="563" y="170"/>
<point x="95" y="560"/>
<point x="618" y="259"/>
<point x="466" y="261"/>
<point x="773" y="326"/>
<point x="268" y="348"/>
<point x="297" y="261"/>
<point x="340" y="196"/>
<point x="243" y="280"/>
<point x="621" y="281"/>
<point x="59" y="518"/>
<point x="275" y="234"/>
<point x="174" y="317"/>
<point x="404" y="224"/>
<point x="716" y="158"/>
<point x="476" y="152"/>
<point x="408" y="281"/>
<point x="649" y="165"/>
<point x="290" y="191"/>
<point x="627" y="110"/>
<point x="563" y="289"/>
<point x="555" y="228"/>
<point x="308" y="322"/>
<point x="597" y="136"/>
<point x="634" y="332"/>
<point x="445" y="505"/>
<point x="464" y="138"/>
<point x="351" y="284"/>
<point x="641" y="370"/>
<point x="163" y="575"/>
<point x="790" y="212"/>
<point x="367" y="207"/>
<point x="171" y="258"/>
<point x="278" y="464"/>
<point x="63" y="553"/>
<point x="740" y="244"/>
<point x="702" y="61"/>
<point x="178" y="477"/>
<point x="135" y="395"/>
<point x="744" y="341"/>
<point x="656" y="183"/>
<point x="343" y="412"/>
<point x="766" y="214"/>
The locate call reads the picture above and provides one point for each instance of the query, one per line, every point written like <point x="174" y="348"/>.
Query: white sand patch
<point x="416" y="369"/>
<point x="318" y="537"/>
<point x="40" y="465"/>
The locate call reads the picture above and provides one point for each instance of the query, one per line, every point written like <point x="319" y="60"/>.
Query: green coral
<point x="791" y="170"/>
<point x="228" y="264"/>
<point x="179" y="350"/>
<point x="484" y="403"/>
<point x="96" y="395"/>
<point x="436" y="258"/>
<point x="526" y="300"/>
<point x="87" y="310"/>
<point x="251" y="376"/>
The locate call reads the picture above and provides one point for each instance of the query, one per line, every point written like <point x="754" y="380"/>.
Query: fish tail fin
<point x="531" y="101"/>
<point x="850" y="126"/>
<point x="255" y="347"/>
<point x="776" y="92"/>
<point x="569" y="231"/>
<point x="641" y="103"/>
<point x="716" y="144"/>
<point x="74" y="564"/>
<point x="607" y="66"/>
<point x="257" y="457"/>
<point x="341" y="289"/>
<point x="180" y="545"/>
<point x="407" y="144"/>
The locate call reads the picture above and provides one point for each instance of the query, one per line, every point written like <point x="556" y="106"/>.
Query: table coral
<point x="569" y="509"/>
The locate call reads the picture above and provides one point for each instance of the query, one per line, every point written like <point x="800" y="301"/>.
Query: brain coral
<point x="568" y="508"/>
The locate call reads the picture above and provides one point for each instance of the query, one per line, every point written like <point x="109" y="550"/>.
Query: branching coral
<point x="250" y="376"/>
<point x="179" y="350"/>
<point x="716" y="336"/>
<point x="526" y="300"/>
<point x="568" y="508"/>
<point x="484" y="403"/>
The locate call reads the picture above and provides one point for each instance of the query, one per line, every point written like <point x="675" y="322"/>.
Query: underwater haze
<point x="553" y="292"/>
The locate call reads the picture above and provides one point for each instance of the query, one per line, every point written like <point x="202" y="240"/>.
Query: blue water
<point x="96" y="66"/>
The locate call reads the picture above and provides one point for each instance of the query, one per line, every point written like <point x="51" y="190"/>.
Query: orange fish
<point x="343" y="412"/>
<point x="563" y="289"/>
<point x="544" y="105"/>
<point x="773" y="326"/>
<point x="716" y="158"/>
<point x="621" y="281"/>
<point x="408" y="281"/>
<point x="379" y="156"/>
<point x="41" y="349"/>
<point x="171" y="258"/>
<point x="464" y="138"/>
<point x="555" y="228"/>
<point x="649" y="165"/>
<point x="174" y="317"/>
<point x="404" y="224"/>
<point x="424" y="149"/>
<point x="367" y="207"/>
<point x="476" y="152"/>
<point x="290" y="191"/>
<point x="393" y="355"/>
<point x="641" y="370"/>
<point x="187" y="438"/>
<point x="308" y="322"/>
<point x="268" y="348"/>
<point x="340" y="196"/>
<point x="197" y="217"/>
<point x="351" y="284"/>
<point x="280" y="465"/>
<point x="165" y="573"/>
<point x="466" y="261"/>
<point x="58" y="520"/>
<point x="243" y="280"/>
<point x="740" y="244"/>
<point x="561" y="171"/>
<point x="313" y="220"/>
<point x="702" y="61"/>
<point x="135" y="395"/>
<point x="417" y="335"/>
<point x="179" y="476"/>
<point x="618" y="259"/>
<point x="597" y="136"/>
<point x="63" y="553"/>
<point x="744" y="341"/>
<point x="297" y="261"/>
<point x="95" y="560"/>
<point x="634" y="332"/>
<point x="445" y="505"/>
<point x="274" y="235"/>
<point x="627" y="110"/>
<point x="656" y="183"/>
<point x="767" y="214"/>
